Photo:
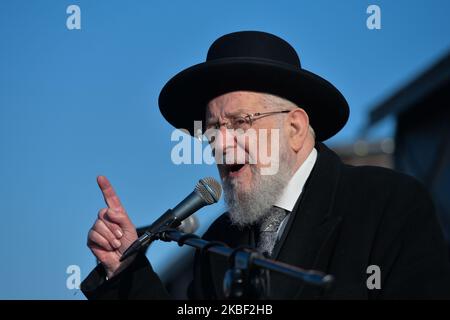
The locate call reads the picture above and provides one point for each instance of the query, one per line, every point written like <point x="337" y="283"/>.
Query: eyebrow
<point x="228" y="115"/>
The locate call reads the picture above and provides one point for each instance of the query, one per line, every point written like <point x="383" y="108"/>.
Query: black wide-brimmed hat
<point x="252" y="61"/>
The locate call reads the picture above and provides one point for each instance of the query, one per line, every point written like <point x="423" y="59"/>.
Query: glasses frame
<point x="249" y="117"/>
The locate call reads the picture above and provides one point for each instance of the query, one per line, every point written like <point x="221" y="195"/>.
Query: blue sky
<point x="76" y="104"/>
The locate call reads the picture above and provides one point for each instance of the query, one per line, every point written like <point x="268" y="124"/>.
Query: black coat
<point x="347" y="219"/>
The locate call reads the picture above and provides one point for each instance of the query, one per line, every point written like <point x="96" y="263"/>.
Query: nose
<point x="224" y="142"/>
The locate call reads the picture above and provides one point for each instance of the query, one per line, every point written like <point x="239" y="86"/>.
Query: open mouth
<point x="235" y="169"/>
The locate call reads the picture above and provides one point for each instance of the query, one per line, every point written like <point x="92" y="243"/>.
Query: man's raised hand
<point x="112" y="233"/>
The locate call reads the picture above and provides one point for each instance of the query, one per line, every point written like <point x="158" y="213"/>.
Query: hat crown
<point x="255" y="45"/>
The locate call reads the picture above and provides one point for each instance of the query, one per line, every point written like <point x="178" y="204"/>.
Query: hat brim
<point x="184" y="97"/>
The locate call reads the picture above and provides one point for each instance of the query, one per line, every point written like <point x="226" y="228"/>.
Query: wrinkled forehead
<point x="233" y="103"/>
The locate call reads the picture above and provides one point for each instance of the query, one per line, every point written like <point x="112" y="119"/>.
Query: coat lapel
<point x="308" y="240"/>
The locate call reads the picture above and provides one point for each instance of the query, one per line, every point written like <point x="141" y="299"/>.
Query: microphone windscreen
<point x="209" y="190"/>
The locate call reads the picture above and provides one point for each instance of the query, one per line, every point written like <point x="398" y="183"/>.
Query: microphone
<point x="189" y="225"/>
<point x="206" y="192"/>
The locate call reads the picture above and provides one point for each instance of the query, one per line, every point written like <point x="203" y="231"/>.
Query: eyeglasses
<point x="243" y="122"/>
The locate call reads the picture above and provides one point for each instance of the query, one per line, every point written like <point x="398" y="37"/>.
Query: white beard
<point x="248" y="208"/>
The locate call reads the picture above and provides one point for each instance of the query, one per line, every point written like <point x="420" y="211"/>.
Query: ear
<point x="297" y="126"/>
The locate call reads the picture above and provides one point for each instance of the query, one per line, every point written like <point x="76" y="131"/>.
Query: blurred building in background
<point x="422" y="135"/>
<point x="364" y="153"/>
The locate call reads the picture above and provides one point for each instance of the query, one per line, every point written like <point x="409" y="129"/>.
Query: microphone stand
<point x="248" y="276"/>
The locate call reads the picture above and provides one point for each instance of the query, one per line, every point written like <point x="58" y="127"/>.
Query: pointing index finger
<point x="111" y="198"/>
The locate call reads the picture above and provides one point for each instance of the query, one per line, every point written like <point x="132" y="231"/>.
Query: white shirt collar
<point x="294" y="188"/>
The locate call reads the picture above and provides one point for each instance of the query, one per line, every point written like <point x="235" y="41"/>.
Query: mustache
<point x="231" y="157"/>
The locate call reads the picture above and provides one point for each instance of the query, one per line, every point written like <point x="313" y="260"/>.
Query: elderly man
<point x="313" y="212"/>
